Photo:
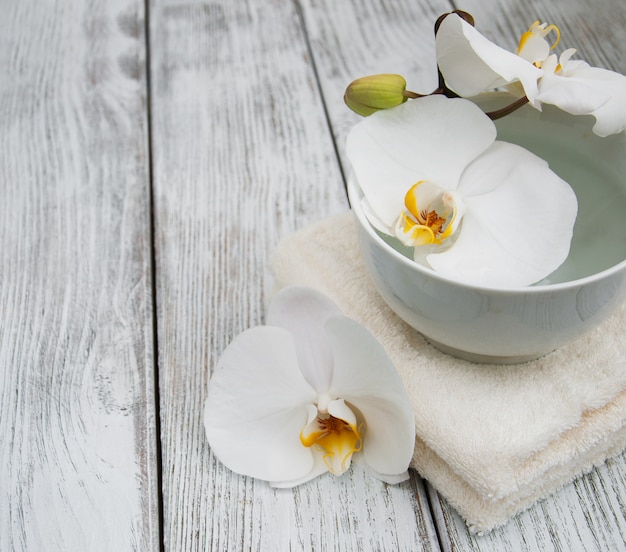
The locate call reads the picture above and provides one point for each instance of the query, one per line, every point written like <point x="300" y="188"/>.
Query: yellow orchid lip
<point x="336" y="439"/>
<point x="430" y="215"/>
<point x="542" y="30"/>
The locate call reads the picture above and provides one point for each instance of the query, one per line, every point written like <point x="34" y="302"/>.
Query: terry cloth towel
<point x="491" y="439"/>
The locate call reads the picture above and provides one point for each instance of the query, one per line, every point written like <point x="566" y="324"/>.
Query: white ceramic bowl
<point x="481" y="324"/>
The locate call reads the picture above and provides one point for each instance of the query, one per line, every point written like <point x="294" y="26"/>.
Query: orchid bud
<point x="366" y="95"/>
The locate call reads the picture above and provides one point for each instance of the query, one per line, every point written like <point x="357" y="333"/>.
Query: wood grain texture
<point x="587" y="515"/>
<point x="374" y="38"/>
<point x="353" y="39"/>
<point x="242" y="157"/>
<point x="77" y="414"/>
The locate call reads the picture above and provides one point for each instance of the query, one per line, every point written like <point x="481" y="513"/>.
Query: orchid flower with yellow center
<point x="471" y="64"/>
<point x="307" y="394"/>
<point x="475" y="210"/>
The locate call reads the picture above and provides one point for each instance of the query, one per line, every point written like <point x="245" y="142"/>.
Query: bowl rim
<point x="354" y="198"/>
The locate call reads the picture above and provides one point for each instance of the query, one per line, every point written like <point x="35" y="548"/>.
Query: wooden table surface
<point x="151" y="158"/>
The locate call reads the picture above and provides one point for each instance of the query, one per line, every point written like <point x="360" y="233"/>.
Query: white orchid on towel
<point x="476" y="210"/>
<point x="471" y="64"/>
<point x="305" y="395"/>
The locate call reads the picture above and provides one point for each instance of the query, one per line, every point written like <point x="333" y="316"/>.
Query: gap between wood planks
<point x="153" y="277"/>
<point x="309" y="49"/>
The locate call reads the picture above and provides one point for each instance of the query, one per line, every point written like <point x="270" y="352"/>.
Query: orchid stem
<point x="440" y="90"/>
<point x="493" y="115"/>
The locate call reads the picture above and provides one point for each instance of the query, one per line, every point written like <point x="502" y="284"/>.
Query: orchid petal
<point x="470" y="63"/>
<point x="366" y="379"/>
<point x="302" y="311"/>
<point x="391" y="479"/>
<point x="339" y="409"/>
<point x="518" y="223"/>
<point x="564" y="60"/>
<point x="319" y="468"/>
<point x="256" y="407"/>
<point x="550" y="65"/>
<point x="577" y="95"/>
<point x="582" y="89"/>
<point x="611" y="116"/>
<point x="392" y="149"/>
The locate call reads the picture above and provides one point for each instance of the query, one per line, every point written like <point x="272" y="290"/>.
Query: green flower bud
<point x="369" y="94"/>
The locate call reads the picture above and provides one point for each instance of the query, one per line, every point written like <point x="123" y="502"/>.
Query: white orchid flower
<point x="476" y="210"/>
<point x="471" y="64"/>
<point x="306" y="394"/>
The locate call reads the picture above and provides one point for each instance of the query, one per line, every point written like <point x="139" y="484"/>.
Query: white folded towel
<point x="491" y="439"/>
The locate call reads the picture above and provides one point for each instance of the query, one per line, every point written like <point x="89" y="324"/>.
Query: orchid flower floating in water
<point x="307" y="394"/>
<point x="474" y="209"/>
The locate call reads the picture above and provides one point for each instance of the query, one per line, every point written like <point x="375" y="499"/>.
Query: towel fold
<point x="491" y="439"/>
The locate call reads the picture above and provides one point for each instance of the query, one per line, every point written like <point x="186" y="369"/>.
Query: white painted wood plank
<point x="242" y="157"/>
<point x="349" y="41"/>
<point x="77" y="414"/>
<point x="588" y="515"/>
